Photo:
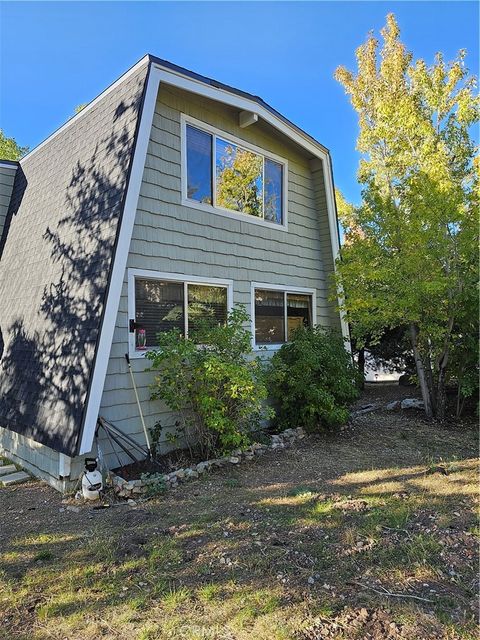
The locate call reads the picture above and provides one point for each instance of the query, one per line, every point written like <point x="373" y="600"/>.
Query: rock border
<point x="131" y="489"/>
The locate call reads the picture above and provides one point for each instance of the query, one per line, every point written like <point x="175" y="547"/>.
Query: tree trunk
<point x="361" y="365"/>
<point x="427" y="399"/>
<point x="441" y="395"/>
<point x="442" y="373"/>
<point x="460" y="400"/>
<point x="430" y="382"/>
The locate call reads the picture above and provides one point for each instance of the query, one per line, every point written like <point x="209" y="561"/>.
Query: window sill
<point x="140" y="354"/>
<point x="268" y="347"/>
<point x="241" y="217"/>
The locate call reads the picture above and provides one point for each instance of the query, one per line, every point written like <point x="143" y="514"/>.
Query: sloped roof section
<point x="56" y="257"/>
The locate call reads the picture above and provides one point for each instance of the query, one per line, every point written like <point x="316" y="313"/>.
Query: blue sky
<point x="56" y="55"/>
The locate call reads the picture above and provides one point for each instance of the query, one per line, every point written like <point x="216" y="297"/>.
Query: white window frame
<point x="146" y="274"/>
<point x="274" y="346"/>
<point x="213" y="208"/>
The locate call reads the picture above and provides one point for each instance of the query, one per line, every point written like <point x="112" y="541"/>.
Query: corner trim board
<point x="120" y="262"/>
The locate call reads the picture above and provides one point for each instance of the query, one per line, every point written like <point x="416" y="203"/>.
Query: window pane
<point x="273" y="191"/>
<point x="206" y="306"/>
<point x="159" y="307"/>
<point x="299" y="312"/>
<point x="269" y="317"/>
<point x="199" y="165"/>
<point x="239" y="179"/>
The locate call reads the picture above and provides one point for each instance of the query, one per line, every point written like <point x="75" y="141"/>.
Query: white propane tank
<point x="92" y="481"/>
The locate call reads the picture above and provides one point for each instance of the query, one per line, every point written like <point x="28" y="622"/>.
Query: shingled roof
<point x="56" y="258"/>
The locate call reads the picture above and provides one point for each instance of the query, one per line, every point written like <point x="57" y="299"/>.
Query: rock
<point x="131" y="502"/>
<point x="392" y="406"/>
<point x="180" y="473"/>
<point x="234" y="460"/>
<point x="311" y="580"/>
<point x="191" y="474"/>
<point x="72" y="508"/>
<point x="412" y="403"/>
<point x="201" y="467"/>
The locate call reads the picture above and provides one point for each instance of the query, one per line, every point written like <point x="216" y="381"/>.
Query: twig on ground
<point x="389" y="593"/>
<point x="407" y="533"/>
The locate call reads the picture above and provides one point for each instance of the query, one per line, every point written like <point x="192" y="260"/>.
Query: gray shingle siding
<point x="173" y="238"/>
<point x="61" y="231"/>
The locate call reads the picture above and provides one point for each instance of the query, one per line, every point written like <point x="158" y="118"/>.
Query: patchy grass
<point x="373" y="531"/>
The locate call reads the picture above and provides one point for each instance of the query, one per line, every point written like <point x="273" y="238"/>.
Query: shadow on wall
<point x="45" y="370"/>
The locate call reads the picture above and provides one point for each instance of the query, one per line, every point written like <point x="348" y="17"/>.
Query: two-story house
<point x="167" y="194"/>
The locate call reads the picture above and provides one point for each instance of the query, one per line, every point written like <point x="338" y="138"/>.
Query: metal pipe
<point x="147" y="438"/>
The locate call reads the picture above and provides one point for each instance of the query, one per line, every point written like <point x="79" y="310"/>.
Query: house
<point x="122" y="222"/>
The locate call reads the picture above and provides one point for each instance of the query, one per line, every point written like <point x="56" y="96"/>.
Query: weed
<point x="175" y="598"/>
<point x="44" y="554"/>
<point x="208" y="592"/>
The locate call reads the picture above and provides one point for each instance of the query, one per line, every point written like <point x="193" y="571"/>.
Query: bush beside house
<point x="220" y="390"/>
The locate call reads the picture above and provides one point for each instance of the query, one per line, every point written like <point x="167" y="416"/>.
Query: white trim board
<point x="183" y="278"/>
<point x="87" y="107"/>
<point x="119" y="263"/>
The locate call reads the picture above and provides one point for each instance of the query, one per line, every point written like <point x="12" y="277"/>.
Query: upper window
<point x="229" y="176"/>
<point x="161" y="305"/>
<point x="279" y="313"/>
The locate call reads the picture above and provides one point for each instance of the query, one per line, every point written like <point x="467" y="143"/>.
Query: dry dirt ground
<point x="370" y="533"/>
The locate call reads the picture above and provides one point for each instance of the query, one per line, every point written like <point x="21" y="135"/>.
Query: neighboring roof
<point x="225" y="87"/>
<point x="58" y="246"/>
<point x="9" y="163"/>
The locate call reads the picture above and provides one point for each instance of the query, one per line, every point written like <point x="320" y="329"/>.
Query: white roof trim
<point x="87" y="108"/>
<point x="119" y="264"/>
<point x="242" y="103"/>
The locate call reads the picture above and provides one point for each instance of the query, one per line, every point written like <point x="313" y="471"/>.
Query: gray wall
<point x="173" y="238"/>
<point x="7" y="177"/>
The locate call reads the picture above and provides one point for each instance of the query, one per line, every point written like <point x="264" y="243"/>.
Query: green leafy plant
<point x="214" y="384"/>
<point x="155" y="434"/>
<point x="154" y="482"/>
<point x="313" y="380"/>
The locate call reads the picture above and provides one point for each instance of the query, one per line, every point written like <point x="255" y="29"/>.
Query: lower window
<point x="161" y="305"/>
<point x="279" y="313"/>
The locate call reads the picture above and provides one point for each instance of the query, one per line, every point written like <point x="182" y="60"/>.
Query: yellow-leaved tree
<point x="411" y="253"/>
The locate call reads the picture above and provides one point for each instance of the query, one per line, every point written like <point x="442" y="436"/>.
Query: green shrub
<point x="313" y="380"/>
<point x="212" y="381"/>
